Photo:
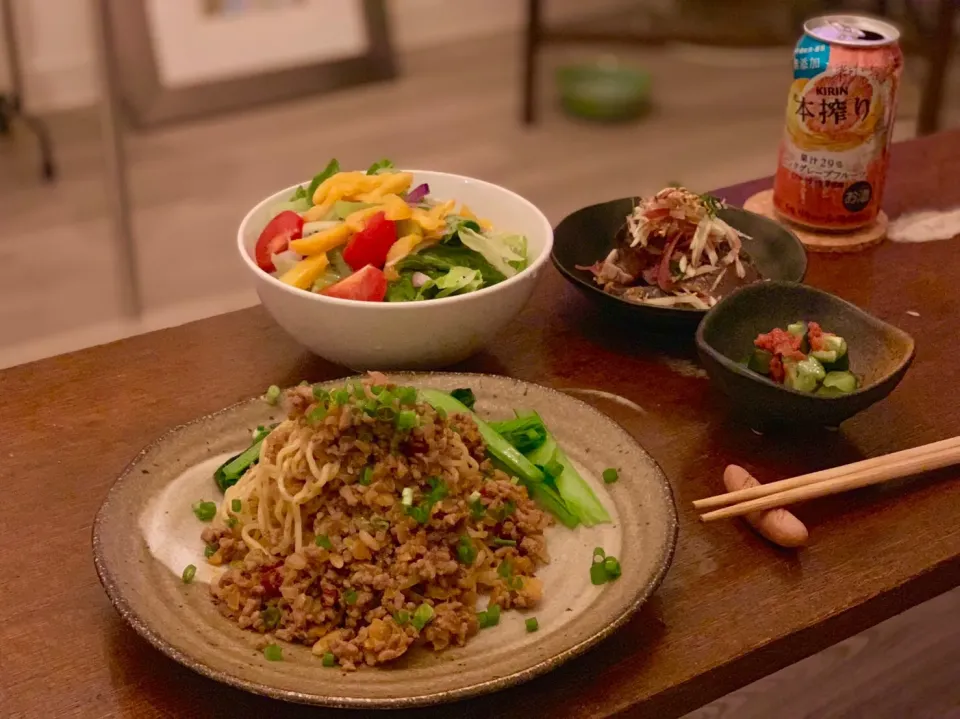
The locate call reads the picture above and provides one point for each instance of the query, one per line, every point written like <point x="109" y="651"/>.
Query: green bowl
<point x="599" y="92"/>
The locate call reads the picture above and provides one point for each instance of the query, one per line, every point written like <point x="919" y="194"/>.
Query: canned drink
<point x="834" y="153"/>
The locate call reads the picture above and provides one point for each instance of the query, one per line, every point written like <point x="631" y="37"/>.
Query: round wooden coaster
<point x="814" y="241"/>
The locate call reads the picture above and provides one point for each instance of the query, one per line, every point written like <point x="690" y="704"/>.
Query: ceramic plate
<point x="145" y="534"/>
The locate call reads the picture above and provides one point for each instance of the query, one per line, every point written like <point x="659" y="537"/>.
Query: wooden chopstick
<point x="764" y="490"/>
<point x="843" y="481"/>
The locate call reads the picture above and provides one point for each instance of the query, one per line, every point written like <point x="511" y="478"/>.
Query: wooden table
<point x="732" y="609"/>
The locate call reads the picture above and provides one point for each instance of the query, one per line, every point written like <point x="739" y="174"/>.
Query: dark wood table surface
<point x="732" y="608"/>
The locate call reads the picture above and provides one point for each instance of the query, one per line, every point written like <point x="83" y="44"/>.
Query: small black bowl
<point x="880" y="354"/>
<point x="589" y="234"/>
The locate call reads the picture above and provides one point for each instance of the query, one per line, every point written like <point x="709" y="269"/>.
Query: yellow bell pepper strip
<point x="381" y="185"/>
<point x="434" y="219"/>
<point x="342" y="183"/>
<point x="305" y="272"/>
<point x="395" y="208"/>
<point x="357" y="220"/>
<point x="323" y="241"/>
<point x="468" y="214"/>
<point x="402" y="247"/>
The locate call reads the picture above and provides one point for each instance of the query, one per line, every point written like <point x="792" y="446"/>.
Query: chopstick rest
<point x="776" y="525"/>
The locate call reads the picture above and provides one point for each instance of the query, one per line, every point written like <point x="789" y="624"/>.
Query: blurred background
<point x="135" y="134"/>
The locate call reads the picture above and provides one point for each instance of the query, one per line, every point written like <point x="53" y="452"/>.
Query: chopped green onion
<point x="604" y="569"/>
<point x="505" y="569"/>
<point x="236" y="505"/>
<point x="273" y="653"/>
<point x="401" y="617"/>
<point x="489" y="617"/>
<point x="611" y="475"/>
<point x="504" y="542"/>
<point x="438" y="489"/>
<point x="422" y="616"/>
<point x="366" y="478"/>
<point x="406" y="496"/>
<point x="612" y="567"/>
<point x="205" y="511"/>
<point x="477" y="510"/>
<point x="386" y="414"/>
<point x="441" y="412"/>
<point x="420" y="513"/>
<point x="341" y="397"/>
<point x="377" y="389"/>
<point x="350" y="596"/>
<point x="210" y="550"/>
<point x="322" y="540"/>
<point x="532" y="624"/>
<point x="598" y="575"/>
<point x="189" y="572"/>
<point x="231" y="522"/>
<point x="386" y="398"/>
<point x="317" y="414"/>
<point x="320" y="393"/>
<point x="504" y="511"/>
<point x="370" y="407"/>
<point x="358" y="390"/>
<point x="270" y="617"/>
<point x="466" y="552"/>
<point x="406" y="395"/>
<point x="407" y="419"/>
<point x="273" y="394"/>
<point x="303" y="383"/>
<point x="329" y="660"/>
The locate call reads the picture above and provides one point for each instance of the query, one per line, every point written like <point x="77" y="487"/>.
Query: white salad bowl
<point x="426" y="334"/>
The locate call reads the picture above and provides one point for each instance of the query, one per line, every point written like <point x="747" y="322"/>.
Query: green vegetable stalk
<point x="229" y="473"/>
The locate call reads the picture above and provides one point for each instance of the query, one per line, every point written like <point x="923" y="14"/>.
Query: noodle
<point x="322" y="550"/>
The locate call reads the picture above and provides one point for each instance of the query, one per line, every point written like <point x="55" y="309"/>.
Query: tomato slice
<point x="367" y="285"/>
<point x="276" y="237"/>
<point x="370" y="245"/>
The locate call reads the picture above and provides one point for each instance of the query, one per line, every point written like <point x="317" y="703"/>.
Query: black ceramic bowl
<point x="880" y="354"/>
<point x="589" y="234"/>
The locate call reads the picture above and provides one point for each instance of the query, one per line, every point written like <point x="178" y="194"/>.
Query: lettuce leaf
<point x="329" y="277"/>
<point x="517" y="243"/>
<point x="455" y="223"/>
<point x="381" y="166"/>
<point x="332" y="168"/>
<point x="401" y="290"/>
<point x="456" y="281"/>
<point x="494" y="250"/>
<point x="437" y="259"/>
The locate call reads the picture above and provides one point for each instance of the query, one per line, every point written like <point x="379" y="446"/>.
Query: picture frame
<point x="148" y="100"/>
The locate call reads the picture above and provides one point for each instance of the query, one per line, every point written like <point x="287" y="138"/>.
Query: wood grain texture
<point x="730" y="611"/>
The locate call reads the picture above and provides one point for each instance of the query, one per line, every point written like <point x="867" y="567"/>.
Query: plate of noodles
<point x="383" y="542"/>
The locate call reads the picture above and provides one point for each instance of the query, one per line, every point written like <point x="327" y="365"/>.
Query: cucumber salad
<point x="805" y="358"/>
<point x="373" y="236"/>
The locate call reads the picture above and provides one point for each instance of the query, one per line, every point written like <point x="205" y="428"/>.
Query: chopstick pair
<point x="831" y="481"/>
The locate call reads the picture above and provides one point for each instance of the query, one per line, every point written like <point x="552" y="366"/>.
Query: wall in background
<point x="57" y="51"/>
